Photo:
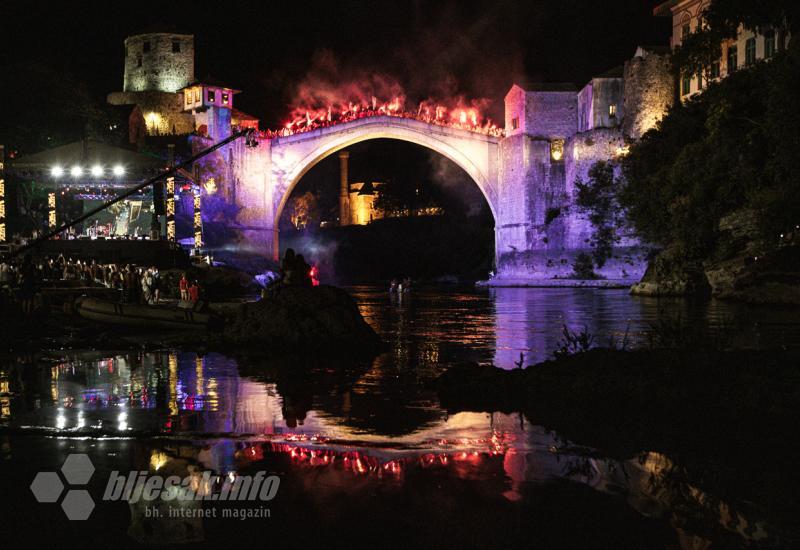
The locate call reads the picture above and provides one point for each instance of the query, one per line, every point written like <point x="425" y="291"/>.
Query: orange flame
<point x="455" y="113"/>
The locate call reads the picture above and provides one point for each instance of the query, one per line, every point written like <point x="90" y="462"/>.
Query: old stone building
<point x="157" y="66"/>
<point x="749" y="46"/>
<point x="554" y="135"/>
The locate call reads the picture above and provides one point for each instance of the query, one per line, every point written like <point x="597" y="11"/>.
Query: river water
<point x="363" y="448"/>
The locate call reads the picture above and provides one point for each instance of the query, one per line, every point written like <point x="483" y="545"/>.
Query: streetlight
<point x="56" y="171"/>
<point x="76" y="171"/>
<point x="97" y="170"/>
<point x="118" y="170"/>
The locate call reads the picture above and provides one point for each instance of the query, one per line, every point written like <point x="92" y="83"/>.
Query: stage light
<point x="119" y="170"/>
<point x="97" y="170"/>
<point x="56" y="171"/>
<point x="76" y="171"/>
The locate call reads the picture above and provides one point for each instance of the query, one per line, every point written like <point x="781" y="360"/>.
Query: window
<point x="685" y="30"/>
<point x="210" y="96"/>
<point x="197" y="94"/>
<point x="188" y="94"/>
<point x="750" y="51"/>
<point x="557" y="149"/>
<point x="146" y="46"/>
<point x="138" y="60"/>
<point x="699" y="81"/>
<point x="769" y="44"/>
<point x="733" y="58"/>
<point x="514" y="123"/>
<point x="612" y="111"/>
<point x="686" y="83"/>
<point x="225" y="98"/>
<point x="176" y="46"/>
<point x="715" y="70"/>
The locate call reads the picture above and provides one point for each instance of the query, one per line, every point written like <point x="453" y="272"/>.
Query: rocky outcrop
<point x="741" y="267"/>
<point x="670" y="275"/>
<point x="310" y="319"/>
<point x="772" y="278"/>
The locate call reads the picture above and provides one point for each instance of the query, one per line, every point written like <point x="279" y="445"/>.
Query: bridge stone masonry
<point x="553" y="135"/>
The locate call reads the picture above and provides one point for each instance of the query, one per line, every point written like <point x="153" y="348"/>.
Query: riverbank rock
<point x="741" y="267"/>
<point x="772" y="278"/>
<point x="670" y="275"/>
<point x="322" y="318"/>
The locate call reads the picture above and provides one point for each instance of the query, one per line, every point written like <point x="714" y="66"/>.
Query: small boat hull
<point x="138" y="315"/>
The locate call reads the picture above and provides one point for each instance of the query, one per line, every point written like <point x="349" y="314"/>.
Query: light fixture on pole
<point x="198" y="222"/>
<point x="170" y="210"/>
<point x="2" y="195"/>
<point x="51" y="210"/>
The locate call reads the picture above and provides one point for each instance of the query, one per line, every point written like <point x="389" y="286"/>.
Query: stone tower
<point x="157" y="66"/>
<point x="158" y="62"/>
<point x="532" y="175"/>
<point x="649" y="90"/>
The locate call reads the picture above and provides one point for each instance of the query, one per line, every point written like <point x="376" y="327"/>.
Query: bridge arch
<point x="294" y="156"/>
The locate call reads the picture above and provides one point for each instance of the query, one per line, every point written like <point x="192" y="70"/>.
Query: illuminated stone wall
<point x="540" y="231"/>
<point x="152" y="65"/>
<point x="154" y="73"/>
<point x="649" y="91"/>
<point x="600" y="104"/>
<point x="162" y="111"/>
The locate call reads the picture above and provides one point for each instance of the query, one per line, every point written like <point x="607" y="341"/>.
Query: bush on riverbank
<point x="723" y="164"/>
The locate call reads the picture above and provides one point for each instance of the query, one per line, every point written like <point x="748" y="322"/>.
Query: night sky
<point x="267" y="48"/>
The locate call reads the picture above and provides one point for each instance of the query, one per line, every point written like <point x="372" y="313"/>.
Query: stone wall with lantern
<point x="554" y="135"/>
<point x="157" y="66"/>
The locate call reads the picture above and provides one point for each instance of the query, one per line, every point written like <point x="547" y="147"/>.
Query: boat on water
<point x="141" y="315"/>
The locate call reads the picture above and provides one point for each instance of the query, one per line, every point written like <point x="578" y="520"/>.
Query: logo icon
<point x="48" y="487"/>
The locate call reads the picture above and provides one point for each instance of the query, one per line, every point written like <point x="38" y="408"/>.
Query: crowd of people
<point x="24" y="277"/>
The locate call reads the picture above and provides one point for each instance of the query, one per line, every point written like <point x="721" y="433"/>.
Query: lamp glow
<point x="56" y="171"/>
<point x="76" y="171"/>
<point x="118" y="170"/>
<point x="97" y="170"/>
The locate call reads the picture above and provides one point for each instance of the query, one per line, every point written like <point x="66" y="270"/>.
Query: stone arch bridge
<point x="552" y="138"/>
<point x="267" y="174"/>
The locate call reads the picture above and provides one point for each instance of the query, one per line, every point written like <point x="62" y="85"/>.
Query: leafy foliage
<point x="401" y="196"/>
<point x="598" y="198"/>
<point x="304" y="210"/>
<point x="573" y="342"/>
<point x="732" y="147"/>
<point x="583" y="267"/>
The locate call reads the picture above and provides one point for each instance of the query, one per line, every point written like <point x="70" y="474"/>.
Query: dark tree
<point x="598" y="198"/>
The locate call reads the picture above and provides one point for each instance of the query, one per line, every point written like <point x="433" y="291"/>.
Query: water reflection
<point x="496" y="325"/>
<point x="359" y="429"/>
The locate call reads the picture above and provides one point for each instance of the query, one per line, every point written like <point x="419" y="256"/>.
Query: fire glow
<point x="457" y="113"/>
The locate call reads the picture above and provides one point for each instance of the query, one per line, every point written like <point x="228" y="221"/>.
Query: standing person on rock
<point x="288" y="265"/>
<point x="183" y="287"/>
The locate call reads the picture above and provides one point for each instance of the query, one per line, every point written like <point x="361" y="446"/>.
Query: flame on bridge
<point x="458" y="113"/>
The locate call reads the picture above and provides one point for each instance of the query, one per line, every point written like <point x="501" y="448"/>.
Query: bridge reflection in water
<point x="184" y="413"/>
<point x="372" y="435"/>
